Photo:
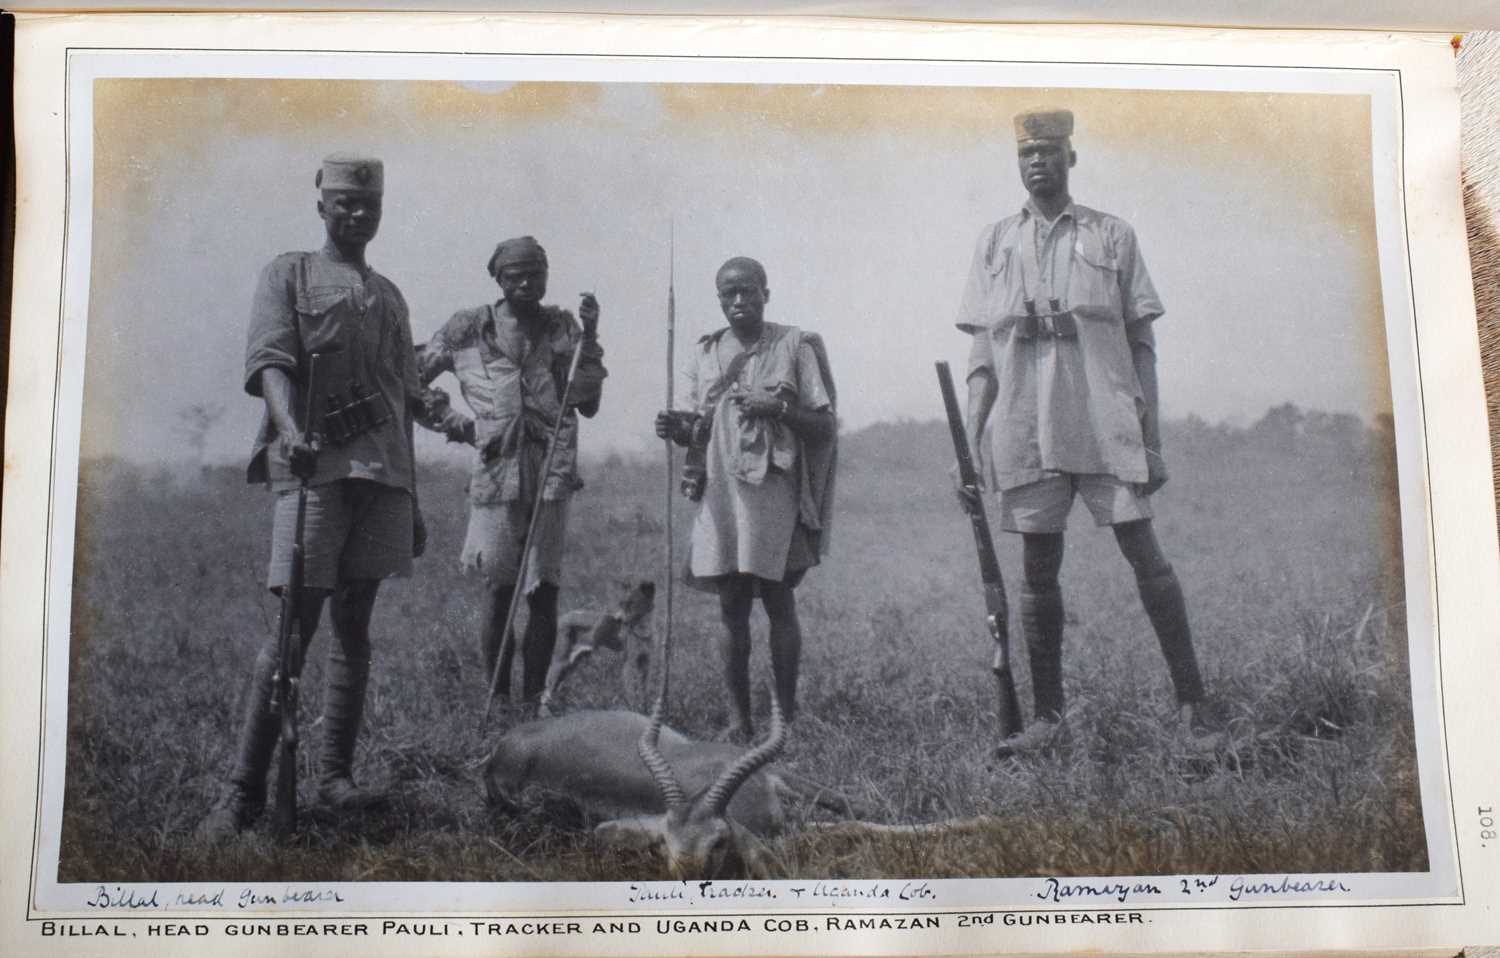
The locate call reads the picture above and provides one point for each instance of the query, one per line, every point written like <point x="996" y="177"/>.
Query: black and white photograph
<point x="616" y="483"/>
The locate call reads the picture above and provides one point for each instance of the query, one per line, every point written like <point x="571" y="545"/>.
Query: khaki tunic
<point x="309" y="302"/>
<point x="1069" y="403"/>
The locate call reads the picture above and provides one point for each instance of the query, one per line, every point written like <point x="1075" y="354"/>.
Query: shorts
<point x="353" y="529"/>
<point x="497" y="533"/>
<point x="1043" y="506"/>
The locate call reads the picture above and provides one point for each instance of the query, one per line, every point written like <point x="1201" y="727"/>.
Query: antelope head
<point x="695" y="835"/>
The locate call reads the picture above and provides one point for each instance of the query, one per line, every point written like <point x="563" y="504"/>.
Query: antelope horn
<point x="666" y="781"/>
<point x="719" y="794"/>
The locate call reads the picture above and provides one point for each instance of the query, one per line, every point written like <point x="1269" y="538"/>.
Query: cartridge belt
<point x="352" y="413"/>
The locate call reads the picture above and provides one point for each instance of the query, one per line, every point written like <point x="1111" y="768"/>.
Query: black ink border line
<point x="1396" y="72"/>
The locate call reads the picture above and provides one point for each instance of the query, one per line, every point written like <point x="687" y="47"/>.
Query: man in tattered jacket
<point x="511" y="359"/>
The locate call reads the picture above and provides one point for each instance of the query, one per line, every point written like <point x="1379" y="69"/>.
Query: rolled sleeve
<point x="1141" y="333"/>
<point x="972" y="317"/>
<point x="1138" y="297"/>
<point x="273" y="339"/>
<point x="981" y="357"/>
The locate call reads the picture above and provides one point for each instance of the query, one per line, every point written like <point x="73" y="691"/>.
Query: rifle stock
<point x="288" y="671"/>
<point x="989" y="566"/>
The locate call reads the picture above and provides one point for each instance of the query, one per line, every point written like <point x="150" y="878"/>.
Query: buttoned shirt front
<point x="1055" y="309"/>
<point x="355" y="321"/>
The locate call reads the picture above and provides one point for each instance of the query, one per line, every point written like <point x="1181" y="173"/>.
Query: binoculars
<point x="351" y="415"/>
<point x="1057" y="322"/>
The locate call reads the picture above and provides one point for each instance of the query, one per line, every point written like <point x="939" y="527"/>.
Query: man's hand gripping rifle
<point x="989" y="566"/>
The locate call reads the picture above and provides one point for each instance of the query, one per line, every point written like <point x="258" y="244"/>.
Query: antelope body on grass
<point x="701" y="805"/>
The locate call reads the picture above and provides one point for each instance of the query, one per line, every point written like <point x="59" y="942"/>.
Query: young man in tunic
<point x="760" y="407"/>
<point x="1063" y="402"/>
<point x="362" y="524"/>
<point x="511" y="360"/>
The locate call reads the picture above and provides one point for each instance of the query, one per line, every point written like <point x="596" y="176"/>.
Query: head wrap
<point x="1044" y="125"/>
<point x="351" y="172"/>
<point x="522" y="250"/>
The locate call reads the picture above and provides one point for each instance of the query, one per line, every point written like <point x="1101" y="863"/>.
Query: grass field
<point x="1283" y="533"/>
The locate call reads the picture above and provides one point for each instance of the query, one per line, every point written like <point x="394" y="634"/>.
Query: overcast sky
<point x="1254" y="214"/>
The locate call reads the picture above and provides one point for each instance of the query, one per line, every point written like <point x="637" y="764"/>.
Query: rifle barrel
<point x="989" y="565"/>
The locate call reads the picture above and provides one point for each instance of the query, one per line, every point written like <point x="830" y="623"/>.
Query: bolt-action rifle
<point x="989" y="566"/>
<point x="284" y="686"/>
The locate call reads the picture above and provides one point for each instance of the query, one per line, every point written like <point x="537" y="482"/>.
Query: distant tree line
<point x="1286" y="437"/>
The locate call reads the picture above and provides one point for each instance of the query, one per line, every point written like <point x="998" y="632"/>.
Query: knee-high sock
<point x="346" y="676"/>
<point x="1161" y="594"/>
<point x="1042" y="625"/>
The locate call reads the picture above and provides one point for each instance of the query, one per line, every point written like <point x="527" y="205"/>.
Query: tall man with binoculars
<point x="1063" y="402"/>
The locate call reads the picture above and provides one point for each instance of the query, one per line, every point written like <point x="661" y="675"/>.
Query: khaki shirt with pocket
<point x="356" y="321"/>
<point x="1069" y="399"/>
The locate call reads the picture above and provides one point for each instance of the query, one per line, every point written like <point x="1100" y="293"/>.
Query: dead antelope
<point x="699" y="804"/>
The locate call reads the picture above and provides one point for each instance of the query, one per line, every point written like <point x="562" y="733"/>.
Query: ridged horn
<point x="722" y="791"/>
<point x="661" y="772"/>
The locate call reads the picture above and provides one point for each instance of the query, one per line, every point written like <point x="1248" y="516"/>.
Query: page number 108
<point x="1486" y="825"/>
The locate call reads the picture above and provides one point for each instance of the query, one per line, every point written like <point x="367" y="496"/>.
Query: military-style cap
<point x="1044" y="125"/>
<point x="352" y="172"/>
<point x="517" y="251"/>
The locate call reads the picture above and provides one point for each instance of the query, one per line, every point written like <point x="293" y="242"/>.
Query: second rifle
<point x="989" y="567"/>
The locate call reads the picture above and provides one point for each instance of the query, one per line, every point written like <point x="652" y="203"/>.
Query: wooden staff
<point x="506" y="639"/>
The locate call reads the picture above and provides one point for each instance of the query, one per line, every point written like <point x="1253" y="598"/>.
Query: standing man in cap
<point x="511" y="360"/>
<point x="760" y="398"/>
<point x="362" y="523"/>
<point x="1063" y="402"/>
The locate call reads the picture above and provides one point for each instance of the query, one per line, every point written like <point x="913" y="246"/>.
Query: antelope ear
<point x="640" y="834"/>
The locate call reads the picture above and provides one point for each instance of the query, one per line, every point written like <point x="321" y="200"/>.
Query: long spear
<point x="671" y="450"/>
<point x="659" y="707"/>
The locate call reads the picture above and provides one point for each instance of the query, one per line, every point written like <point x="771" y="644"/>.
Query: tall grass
<point x="1286" y="544"/>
